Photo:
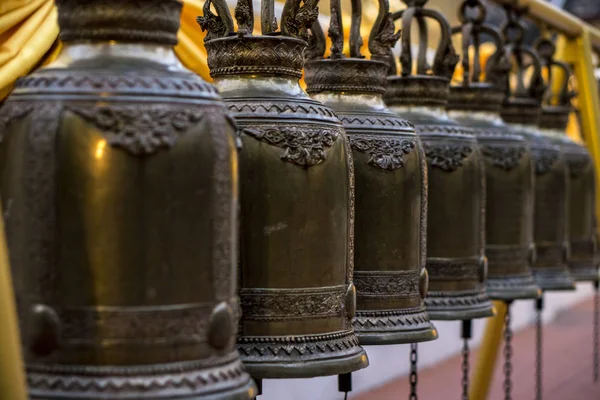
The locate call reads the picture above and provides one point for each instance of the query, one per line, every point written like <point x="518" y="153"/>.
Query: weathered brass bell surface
<point x="508" y="165"/>
<point x="119" y="184"/>
<point x="390" y="187"/>
<point x="521" y="110"/>
<point x="296" y="182"/>
<point x="456" y="262"/>
<point x="554" y="118"/>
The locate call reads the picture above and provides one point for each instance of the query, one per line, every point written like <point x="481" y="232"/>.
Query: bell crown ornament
<point x="354" y="74"/>
<point x="278" y="51"/>
<point x="423" y="84"/>
<point x="556" y="105"/>
<point x="97" y="20"/>
<point x="296" y="247"/>
<point x="473" y="93"/>
<point x="509" y="184"/>
<point x="391" y="179"/>
<point x="523" y="97"/>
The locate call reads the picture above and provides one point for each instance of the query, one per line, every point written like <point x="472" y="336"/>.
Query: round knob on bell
<point x="532" y="256"/>
<point x="351" y="301"/>
<point x="44" y="330"/>
<point x="423" y="283"/>
<point x="483" y="268"/>
<point x="221" y="325"/>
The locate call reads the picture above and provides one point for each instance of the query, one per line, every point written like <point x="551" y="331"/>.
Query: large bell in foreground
<point x="119" y="187"/>
<point x="508" y="168"/>
<point x="391" y="185"/>
<point x="521" y="110"/>
<point x="456" y="261"/>
<point x="581" y="190"/>
<point x="296" y="182"/>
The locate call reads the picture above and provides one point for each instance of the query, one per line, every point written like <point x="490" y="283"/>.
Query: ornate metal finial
<point x="296" y="18"/>
<point x="522" y="57"/>
<point x="546" y="49"/>
<point x="473" y="28"/>
<point x="445" y="58"/>
<point x="381" y="39"/>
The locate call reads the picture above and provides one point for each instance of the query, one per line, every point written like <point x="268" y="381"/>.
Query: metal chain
<point x="507" y="354"/>
<point x="413" y="371"/>
<point x="539" y="306"/>
<point x="465" y="370"/>
<point x="466" y="335"/>
<point x="596" y="330"/>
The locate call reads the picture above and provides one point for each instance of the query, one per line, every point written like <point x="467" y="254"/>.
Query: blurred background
<point x="28" y="39"/>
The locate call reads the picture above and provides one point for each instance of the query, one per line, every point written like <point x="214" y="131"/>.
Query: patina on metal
<point x="521" y="110"/>
<point x="297" y="198"/>
<point x="456" y="260"/>
<point x="509" y="175"/>
<point x="391" y="180"/>
<point x="581" y="197"/>
<point x="119" y="186"/>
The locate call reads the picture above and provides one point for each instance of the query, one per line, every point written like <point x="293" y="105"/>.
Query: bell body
<point x="456" y="263"/>
<point x="581" y="195"/>
<point x="508" y="207"/>
<point x="296" y="234"/>
<point x="119" y="182"/>
<point x="391" y="201"/>
<point x="551" y="206"/>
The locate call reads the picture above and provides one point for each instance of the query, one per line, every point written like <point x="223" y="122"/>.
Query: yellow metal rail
<point x="575" y="46"/>
<point x="12" y="374"/>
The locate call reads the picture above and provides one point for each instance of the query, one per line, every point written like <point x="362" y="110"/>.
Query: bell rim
<point x="376" y="336"/>
<point x="587" y="273"/>
<point x="512" y="287"/>
<point x="482" y="306"/>
<point x="306" y="368"/>
<point x="372" y="338"/>
<point x="186" y="371"/>
<point x="553" y="282"/>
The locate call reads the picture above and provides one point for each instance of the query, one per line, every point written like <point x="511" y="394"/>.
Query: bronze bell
<point x="297" y="199"/>
<point x="521" y="110"/>
<point x="391" y="181"/>
<point x="508" y="168"/>
<point x="456" y="261"/>
<point x="581" y="230"/>
<point x="119" y="184"/>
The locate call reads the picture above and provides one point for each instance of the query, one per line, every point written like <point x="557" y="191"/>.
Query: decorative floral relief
<point x="141" y="130"/>
<point x="292" y="303"/>
<point x="503" y="157"/>
<point x="303" y="145"/>
<point x="544" y="159"/>
<point x="386" y="284"/>
<point x="384" y="152"/>
<point x="447" y="157"/>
